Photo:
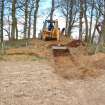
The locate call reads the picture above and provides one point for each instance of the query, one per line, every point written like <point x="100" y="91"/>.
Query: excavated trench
<point x="61" y="52"/>
<point x="69" y="67"/>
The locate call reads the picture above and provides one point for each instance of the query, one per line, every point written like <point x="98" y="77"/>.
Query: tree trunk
<point x="86" y="21"/>
<point x="70" y="18"/>
<point x="103" y="30"/>
<point x="67" y="19"/>
<point x="13" y="29"/>
<point x="91" y="22"/>
<point x="9" y="29"/>
<point x="29" y="23"/>
<point x="52" y="10"/>
<point x="104" y="18"/>
<point x="26" y="18"/>
<point x="93" y="35"/>
<point x="80" y="19"/>
<point x="100" y="43"/>
<point x="35" y="18"/>
<point x="16" y="29"/>
<point x="1" y="20"/>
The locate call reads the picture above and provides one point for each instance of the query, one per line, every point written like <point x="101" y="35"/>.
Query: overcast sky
<point x="44" y="6"/>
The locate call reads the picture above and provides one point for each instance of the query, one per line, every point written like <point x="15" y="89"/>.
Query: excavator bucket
<point x="60" y="51"/>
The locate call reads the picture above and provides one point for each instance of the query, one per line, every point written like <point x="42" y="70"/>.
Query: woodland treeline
<point x="88" y="12"/>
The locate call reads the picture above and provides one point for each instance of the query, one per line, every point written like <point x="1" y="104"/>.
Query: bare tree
<point x="31" y="6"/>
<point x="91" y="20"/>
<point x="1" y="19"/>
<point x="14" y="30"/>
<point x="52" y="9"/>
<point x="80" y="19"/>
<point x="86" y="20"/>
<point x="35" y="17"/>
<point x="69" y="10"/>
<point x="26" y="19"/>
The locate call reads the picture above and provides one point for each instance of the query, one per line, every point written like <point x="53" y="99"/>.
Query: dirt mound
<point x="72" y="72"/>
<point x="99" y="60"/>
<point x="76" y="43"/>
<point x="75" y="67"/>
<point x="97" y="56"/>
<point x="100" y="64"/>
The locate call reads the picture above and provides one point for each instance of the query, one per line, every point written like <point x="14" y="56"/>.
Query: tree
<point x="52" y="10"/>
<point x="31" y="6"/>
<point x="14" y="30"/>
<point x="80" y="19"/>
<point x="36" y="3"/>
<point x="1" y="19"/>
<point x="69" y="10"/>
<point x="91" y="21"/>
<point x="26" y="18"/>
<point x="86" y="20"/>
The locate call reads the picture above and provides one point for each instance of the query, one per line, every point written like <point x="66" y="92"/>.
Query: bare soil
<point x="35" y="76"/>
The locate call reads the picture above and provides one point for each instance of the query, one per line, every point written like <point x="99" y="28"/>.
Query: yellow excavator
<point x="50" y="30"/>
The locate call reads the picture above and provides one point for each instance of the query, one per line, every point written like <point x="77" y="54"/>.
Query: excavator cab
<point x="50" y="30"/>
<point x="48" y="24"/>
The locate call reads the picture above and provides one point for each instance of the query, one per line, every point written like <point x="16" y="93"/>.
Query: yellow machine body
<point x="54" y="32"/>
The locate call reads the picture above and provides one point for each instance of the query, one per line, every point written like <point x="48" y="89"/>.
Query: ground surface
<point x="37" y="77"/>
